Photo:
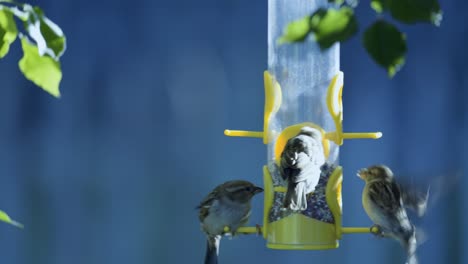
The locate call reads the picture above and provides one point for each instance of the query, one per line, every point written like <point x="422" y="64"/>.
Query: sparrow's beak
<point x="362" y="173"/>
<point x="257" y="190"/>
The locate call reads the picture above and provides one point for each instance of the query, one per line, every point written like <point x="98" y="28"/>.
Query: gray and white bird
<point x="300" y="165"/>
<point x="228" y="205"/>
<point x="383" y="202"/>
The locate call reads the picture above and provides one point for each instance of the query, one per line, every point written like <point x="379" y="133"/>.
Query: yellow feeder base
<point x="297" y="231"/>
<point x="318" y="235"/>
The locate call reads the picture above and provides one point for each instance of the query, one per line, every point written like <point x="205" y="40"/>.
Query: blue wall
<point x="111" y="172"/>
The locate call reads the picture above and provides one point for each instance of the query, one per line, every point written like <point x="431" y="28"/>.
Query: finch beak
<point x="257" y="190"/>
<point x="362" y="173"/>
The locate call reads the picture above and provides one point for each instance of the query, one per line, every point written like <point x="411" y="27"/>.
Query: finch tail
<point x="411" y="246"/>
<point x="212" y="250"/>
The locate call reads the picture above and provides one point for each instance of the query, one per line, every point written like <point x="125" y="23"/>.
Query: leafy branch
<point x="42" y="41"/>
<point x="43" y="44"/>
<point x="382" y="40"/>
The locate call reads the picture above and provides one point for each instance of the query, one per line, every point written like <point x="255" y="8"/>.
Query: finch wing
<point x="386" y="195"/>
<point x="413" y="198"/>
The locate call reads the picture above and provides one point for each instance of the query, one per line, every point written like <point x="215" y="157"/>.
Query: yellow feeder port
<point x="335" y="108"/>
<point x="272" y="104"/>
<point x="273" y="97"/>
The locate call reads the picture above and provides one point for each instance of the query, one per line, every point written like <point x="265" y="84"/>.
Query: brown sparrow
<point x="228" y="205"/>
<point x="383" y="202"/>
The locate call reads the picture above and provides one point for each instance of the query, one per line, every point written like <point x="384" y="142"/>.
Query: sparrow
<point x="228" y="205"/>
<point x="383" y="202"/>
<point x="300" y="164"/>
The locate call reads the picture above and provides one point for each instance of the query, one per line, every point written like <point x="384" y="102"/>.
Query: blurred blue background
<point x="112" y="172"/>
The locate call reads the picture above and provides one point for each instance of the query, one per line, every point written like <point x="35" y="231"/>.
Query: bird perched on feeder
<point x="300" y="167"/>
<point x="384" y="203"/>
<point x="228" y="205"/>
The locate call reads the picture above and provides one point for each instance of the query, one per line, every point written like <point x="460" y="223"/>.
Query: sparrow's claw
<point x="377" y="230"/>
<point x="259" y="229"/>
<point x="228" y="233"/>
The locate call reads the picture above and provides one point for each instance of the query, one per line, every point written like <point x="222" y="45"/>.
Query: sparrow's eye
<point x="249" y="189"/>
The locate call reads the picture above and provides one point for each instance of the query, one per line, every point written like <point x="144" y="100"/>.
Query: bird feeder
<point x="303" y="87"/>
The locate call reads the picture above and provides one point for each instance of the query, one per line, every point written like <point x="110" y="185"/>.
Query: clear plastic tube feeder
<point x="303" y="87"/>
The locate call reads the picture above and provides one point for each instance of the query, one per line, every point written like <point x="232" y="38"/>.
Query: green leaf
<point x="24" y="16"/>
<point x="379" y="5"/>
<point x="386" y="45"/>
<point x="333" y="25"/>
<point x="413" y="11"/>
<point x="5" y="218"/>
<point x="48" y="36"/>
<point x="8" y="30"/>
<point x="296" y="31"/>
<point x="44" y="71"/>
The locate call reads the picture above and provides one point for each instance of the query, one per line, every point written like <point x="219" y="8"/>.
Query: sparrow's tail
<point x="411" y="245"/>
<point x="296" y="198"/>
<point x="412" y="259"/>
<point x="212" y="250"/>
